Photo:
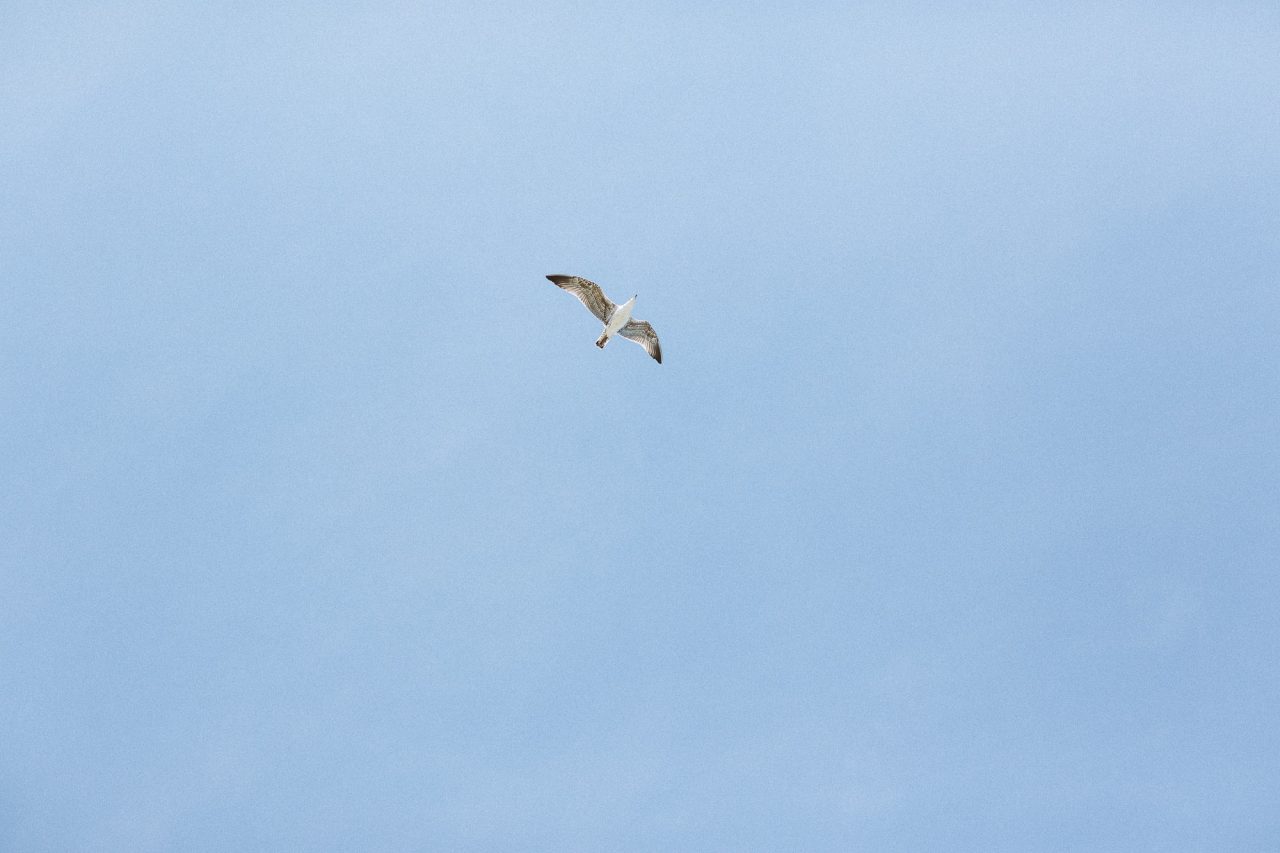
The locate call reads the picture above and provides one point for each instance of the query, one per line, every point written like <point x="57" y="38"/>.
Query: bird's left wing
<point x="588" y="292"/>
<point x="643" y="334"/>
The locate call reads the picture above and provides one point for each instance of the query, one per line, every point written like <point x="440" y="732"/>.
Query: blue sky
<point x="948" y="523"/>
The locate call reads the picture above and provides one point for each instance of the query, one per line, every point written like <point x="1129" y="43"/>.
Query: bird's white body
<point x="617" y="320"/>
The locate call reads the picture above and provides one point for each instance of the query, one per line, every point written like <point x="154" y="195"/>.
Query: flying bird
<point x="616" y="318"/>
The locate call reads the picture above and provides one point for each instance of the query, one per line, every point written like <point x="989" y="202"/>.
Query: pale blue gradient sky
<point x="949" y="523"/>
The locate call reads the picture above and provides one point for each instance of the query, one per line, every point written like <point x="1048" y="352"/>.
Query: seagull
<point x="616" y="318"/>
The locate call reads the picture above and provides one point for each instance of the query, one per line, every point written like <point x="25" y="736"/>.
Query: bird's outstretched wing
<point x="643" y="334"/>
<point x="587" y="291"/>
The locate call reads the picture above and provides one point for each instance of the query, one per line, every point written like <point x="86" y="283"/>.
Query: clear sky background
<point x="950" y="521"/>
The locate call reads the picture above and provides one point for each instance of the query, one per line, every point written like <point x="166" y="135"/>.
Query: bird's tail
<point x="604" y="339"/>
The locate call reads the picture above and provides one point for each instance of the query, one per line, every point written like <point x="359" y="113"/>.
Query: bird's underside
<point x="590" y="294"/>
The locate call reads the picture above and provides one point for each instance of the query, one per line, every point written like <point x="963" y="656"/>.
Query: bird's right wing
<point x="588" y="292"/>
<point x="643" y="334"/>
